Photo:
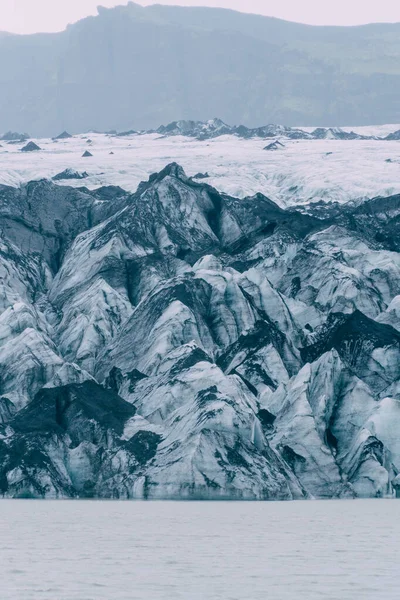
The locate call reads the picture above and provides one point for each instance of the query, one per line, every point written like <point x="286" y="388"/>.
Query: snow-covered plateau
<point x="185" y="318"/>
<point x="298" y="172"/>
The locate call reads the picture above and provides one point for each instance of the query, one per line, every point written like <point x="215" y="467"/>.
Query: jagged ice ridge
<point x="178" y="342"/>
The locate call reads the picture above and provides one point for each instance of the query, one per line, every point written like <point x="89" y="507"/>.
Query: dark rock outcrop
<point x="63" y="136"/>
<point x="70" y="174"/>
<point x="274" y="146"/>
<point x="30" y="147"/>
<point x="14" y="136"/>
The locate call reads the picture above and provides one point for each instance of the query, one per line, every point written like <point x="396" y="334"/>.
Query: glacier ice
<point x="180" y="342"/>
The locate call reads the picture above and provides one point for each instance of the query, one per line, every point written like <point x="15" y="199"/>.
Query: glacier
<point x="222" y="338"/>
<point x="305" y="171"/>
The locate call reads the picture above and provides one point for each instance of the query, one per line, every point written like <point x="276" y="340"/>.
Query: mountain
<point x="137" y="67"/>
<point x="213" y="128"/>
<point x="181" y="343"/>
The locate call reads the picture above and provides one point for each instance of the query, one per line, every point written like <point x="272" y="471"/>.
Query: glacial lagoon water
<point x="88" y="550"/>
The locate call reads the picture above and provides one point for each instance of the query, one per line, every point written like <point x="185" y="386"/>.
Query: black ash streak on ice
<point x="180" y="343"/>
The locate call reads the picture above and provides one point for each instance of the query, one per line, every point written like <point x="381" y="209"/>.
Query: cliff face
<point x="139" y="67"/>
<point x="179" y="342"/>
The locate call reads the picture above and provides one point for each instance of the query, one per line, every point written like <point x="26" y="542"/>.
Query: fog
<point x="29" y="16"/>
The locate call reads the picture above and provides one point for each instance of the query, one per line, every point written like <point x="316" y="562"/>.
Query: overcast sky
<point x="28" y="16"/>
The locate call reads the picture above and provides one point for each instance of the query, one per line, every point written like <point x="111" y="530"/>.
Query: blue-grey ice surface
<point x="341" y="170"/>
<point x="84" y="550"/>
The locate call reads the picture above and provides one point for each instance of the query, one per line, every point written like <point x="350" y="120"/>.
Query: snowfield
<point x="302" y="171"/>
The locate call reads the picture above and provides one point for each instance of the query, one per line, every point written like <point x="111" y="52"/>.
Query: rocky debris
<point x="396" y="485"/>
<point x="181" y="343"/>
<point x="69" y="174"/>
<point x="126" y="133"/>
<point x="336" y="133"/>
<point x="274" y="146"/>
<point x="63" y="136"/>
<point x="30" y="147"/>
<point x="13" y="136"/>
<point x="271" y="131"/>
<point x="198" y="129"/>
<point x="201" y="176"/>
<point x="393" y="136"/>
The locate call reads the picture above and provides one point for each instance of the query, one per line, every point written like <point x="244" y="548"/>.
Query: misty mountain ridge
<point x="134" y="65"/>
<point x="214" y="128"/>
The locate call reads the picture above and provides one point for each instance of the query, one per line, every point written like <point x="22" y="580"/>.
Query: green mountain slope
<point x="138" y="67"/>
